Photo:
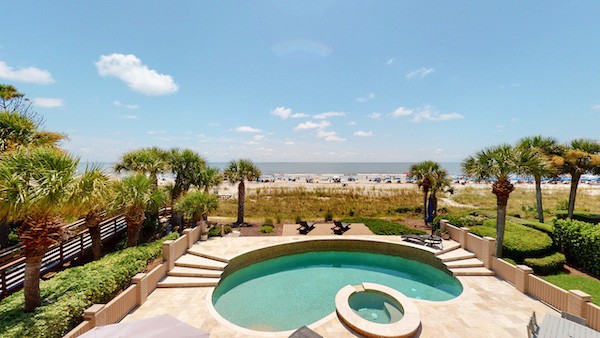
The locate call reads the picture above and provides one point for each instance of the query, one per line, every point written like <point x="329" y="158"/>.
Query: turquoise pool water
<point x="291" y="291"/>
<point x="376" y="307"/>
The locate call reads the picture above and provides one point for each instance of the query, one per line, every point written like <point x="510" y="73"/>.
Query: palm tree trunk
<point x="31" y="288"/>
<point x="241" y="197"/>
<point x="502" y="190"/>
<point x="425" y="193"/>
<point x="134" y="220"/>
<point x="572" y="194"/>
<point x="93" y="225"/>
<point x="538" y="198"/>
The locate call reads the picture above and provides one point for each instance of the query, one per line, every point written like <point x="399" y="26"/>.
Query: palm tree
<point x="546" y="147"/>
<point x="580" y="157"/>
<point x="91" y="198"/>
<point x="196" y="205"/>
<point x="151" y="161"/>
<point x="133" y="193"/>
<point x="440" y="183"/>
<point x="422" y="171"/>
<point x="238" y="172"/>
<point x="35" y="187"/>
<point x="208" y="177"/>
<point x="499" y="163"/>
<point x="185" y="164"/>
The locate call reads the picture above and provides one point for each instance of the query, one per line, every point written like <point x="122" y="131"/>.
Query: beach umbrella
<point x="154" y="327"/>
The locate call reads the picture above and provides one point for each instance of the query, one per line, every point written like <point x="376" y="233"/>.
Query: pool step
<point x="183" y="271"/>
<point x="187" y="282"/>
<point x="193" y="261"/>
<point x="456" y="255"/>
<point x="478" y="271"/>
<point x="464" y="263"/>
<point x="197" y="252"/>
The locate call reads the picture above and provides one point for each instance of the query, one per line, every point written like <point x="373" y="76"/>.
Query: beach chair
<point x="305" y="227"/>
<point x="416" y="239"/>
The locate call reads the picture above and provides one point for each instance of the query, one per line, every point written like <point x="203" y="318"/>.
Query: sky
<point x="316" y="81"/>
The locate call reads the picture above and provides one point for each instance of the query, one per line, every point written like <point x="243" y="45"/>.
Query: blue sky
<point x="305" y="80"/>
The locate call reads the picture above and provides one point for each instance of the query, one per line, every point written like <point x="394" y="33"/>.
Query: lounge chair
<point x="340" y="227"/>
<point x="305" y="227"/>
<point x="427" y="240"/>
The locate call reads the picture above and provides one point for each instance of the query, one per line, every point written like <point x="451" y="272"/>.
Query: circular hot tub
<point x="375" y="310"/>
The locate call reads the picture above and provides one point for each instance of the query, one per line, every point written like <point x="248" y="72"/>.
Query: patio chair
<point x="305" y="227"/>
<point x="340" y="227"/>
<point x="416" y="239"/>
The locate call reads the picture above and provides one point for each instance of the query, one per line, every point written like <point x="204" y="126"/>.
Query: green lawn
<point x="383" y="227"/>
<point x="586" y="284"/>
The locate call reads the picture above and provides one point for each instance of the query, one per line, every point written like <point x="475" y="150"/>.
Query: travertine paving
<point x="488" y="306"/>
<point x="324" y="229"/>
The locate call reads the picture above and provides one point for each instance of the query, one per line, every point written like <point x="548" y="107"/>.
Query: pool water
<point x="287" y="292"/>
<point x="376" y="307"/>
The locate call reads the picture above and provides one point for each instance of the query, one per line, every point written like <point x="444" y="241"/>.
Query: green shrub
<point x="351" y="213"/>
<point x="546" y="265"/>
<point x="384" y="227"/>
<point x="266" y="229"/>
<point x="580" y="242"/>
<point x="519" y="241"/>
<point x="70" y="292"/>
<point x="580" y="216"/>
<point x="268" y="222"/>
<point x="216" y="231"/>
<point x="328" y="216"/>
<point x="278" y="219"/>
<point x="543" y="227"/>
<point x="464" y="218"/>
<point x="298" y="219"/>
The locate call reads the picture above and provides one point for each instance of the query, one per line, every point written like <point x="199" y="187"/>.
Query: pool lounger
<point x="427" y="240"/>
<point x="305" y="227"/>
<point x="340" y="227"/>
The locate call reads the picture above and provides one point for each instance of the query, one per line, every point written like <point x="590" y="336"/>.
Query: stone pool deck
<point x="488" y="306"/>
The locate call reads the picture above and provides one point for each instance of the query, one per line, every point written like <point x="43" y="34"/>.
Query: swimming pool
<point x="290" y="291"/>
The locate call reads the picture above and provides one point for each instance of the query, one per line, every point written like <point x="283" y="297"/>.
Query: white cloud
<point x="419" y="73"/>
<point x="352" y="123"/>
<point x="156" y="132"/>
<point x="329" y="136"/>
<point x="375" y="115"/>
<point x="259" y="137"/>
<point x="402" y="111"/>
<point x="427" y="114"/>
<point x="247" y="129"/>
<point x="366" y="98"/>
<point x="137" y="76"/>
<point x="311" y="125"/>
<point x="596" y="107"/>
<point x="124" y="105"/>
<point x="329" y="114"/>
<point x="48" y="102"/>
<point x="391" y="61"/>
<point x="286" y="113"/>
<point x="289" y="143"/>
<point x="128" y="117"/>
<point x="361" y="133"/>
<point x="29" y="74"/>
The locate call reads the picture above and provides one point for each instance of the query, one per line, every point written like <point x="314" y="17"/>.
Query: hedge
<point x="580" y="242"/>
<point x="520" y="241"/>
<point x="580" y="216"/>
<point x="71" y="291"/>
<point x="464" y="218"/>
<point x="544" y="227"/>
<point x="383" y="227"/>
<point x="546" y="265"/>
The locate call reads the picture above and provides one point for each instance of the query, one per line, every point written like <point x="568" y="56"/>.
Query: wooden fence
<point x="12" y="274"/>
<point x="522" y="277"/>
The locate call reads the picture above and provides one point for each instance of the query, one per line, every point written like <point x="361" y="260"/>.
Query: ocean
<point x="323" y="168"/>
